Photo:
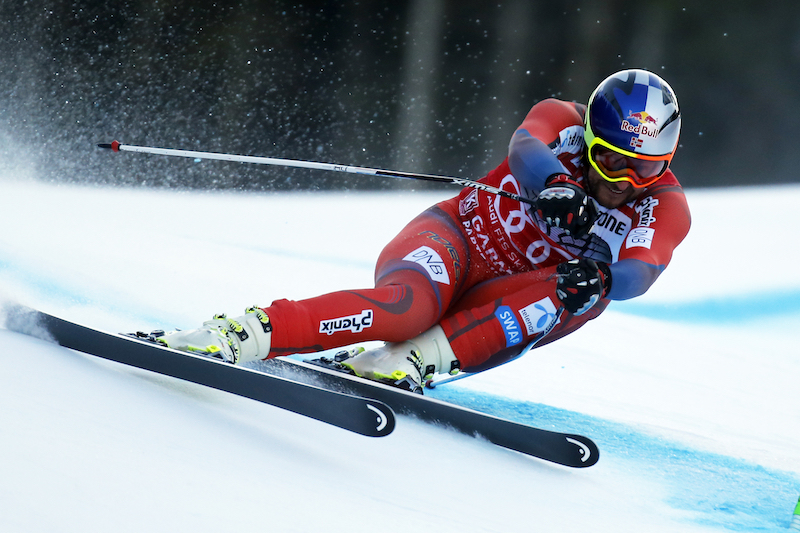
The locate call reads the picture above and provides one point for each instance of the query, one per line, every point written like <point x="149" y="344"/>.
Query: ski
<point x="352" y="403"/>
<point x="566" y="449"/>
<point x="361" y="415"/>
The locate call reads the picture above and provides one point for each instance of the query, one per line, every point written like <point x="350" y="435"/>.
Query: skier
<point x="469" y="282"/>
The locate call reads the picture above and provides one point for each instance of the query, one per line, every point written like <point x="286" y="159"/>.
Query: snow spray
<point x="796" y="517"/>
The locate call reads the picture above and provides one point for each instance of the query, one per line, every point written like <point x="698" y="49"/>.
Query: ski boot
<point x="405" y="365"/>
<point x="233" y="340"/>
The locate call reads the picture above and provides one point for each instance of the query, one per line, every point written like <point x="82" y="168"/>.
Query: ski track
<point x="731" y="310"/>
<point x="724" y="492"/>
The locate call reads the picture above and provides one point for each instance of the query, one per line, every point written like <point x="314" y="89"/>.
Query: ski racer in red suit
<point x="471" y="281"/>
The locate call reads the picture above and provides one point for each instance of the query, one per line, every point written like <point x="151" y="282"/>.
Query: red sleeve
<point x="549" y="141"/>
<point x="548" y="118"/>
<point x="662" y="221"/>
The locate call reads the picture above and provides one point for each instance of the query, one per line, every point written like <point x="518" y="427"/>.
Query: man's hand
<point x="564" y="204"/>
<point x="581" y="283"/>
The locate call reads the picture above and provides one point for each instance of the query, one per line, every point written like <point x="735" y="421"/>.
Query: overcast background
<point x="432" y="86"/>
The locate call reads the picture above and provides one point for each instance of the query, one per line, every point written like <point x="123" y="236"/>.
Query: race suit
<point x="483" y="266"/>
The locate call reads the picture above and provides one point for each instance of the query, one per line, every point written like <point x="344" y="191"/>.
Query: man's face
<point x="609" y="195"/>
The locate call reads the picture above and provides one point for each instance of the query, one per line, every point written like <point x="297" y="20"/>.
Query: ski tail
<point x="366" y="416"/>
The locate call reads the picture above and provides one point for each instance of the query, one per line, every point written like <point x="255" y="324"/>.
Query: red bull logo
<point x="640" y="123"/>
<point x="643" y="117"/>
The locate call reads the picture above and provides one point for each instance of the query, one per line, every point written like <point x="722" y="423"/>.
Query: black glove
<point x="581" y="284"/>
<point x="564" y="204"/>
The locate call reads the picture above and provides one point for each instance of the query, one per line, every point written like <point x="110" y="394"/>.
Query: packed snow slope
<point x="691" y="391"/>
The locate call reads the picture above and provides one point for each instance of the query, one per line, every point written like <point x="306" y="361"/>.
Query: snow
<point x="690" y="391"/>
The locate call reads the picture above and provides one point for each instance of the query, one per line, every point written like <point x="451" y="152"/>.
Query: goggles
<point x="615" y="164"/>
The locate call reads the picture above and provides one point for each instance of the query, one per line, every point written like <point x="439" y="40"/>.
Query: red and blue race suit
<point x="483" y="267"/>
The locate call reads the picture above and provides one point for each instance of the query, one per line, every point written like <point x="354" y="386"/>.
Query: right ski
<point x="566" y="449"/>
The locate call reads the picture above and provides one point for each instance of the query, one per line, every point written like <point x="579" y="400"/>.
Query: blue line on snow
<point x="327" y="260"/>
<point x="49" y="289"/>
<point x="722" y="491"/>
<point x="41" y="285"/>
<point x="726" y="310"/>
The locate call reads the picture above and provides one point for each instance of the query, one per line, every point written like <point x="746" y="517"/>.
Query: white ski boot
<point x="404" y="364"/>
<point x="233" y="340"/>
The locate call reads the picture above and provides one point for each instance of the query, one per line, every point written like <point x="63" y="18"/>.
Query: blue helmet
<point x="632" y="127"/>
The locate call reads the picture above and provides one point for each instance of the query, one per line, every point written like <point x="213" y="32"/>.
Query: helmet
<point x="632" y="127"/>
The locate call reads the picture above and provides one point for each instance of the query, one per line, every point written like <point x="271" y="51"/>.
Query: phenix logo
<point x="646" y="124"/>
<point x="353" y="323"/>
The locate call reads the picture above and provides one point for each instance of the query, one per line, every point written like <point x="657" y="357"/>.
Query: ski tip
<point x="586" y="452"/>
<point x="385" y="420"/>
<point x="113" y="145"/>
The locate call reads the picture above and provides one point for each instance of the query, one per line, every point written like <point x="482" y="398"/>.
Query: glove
<point x="581" y="283"/>
<point x="564" y="204"/>
<point x="245" y="338"/>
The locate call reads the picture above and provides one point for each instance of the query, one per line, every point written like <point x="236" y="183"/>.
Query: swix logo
<point x="510" y="326"/>
<point x="353" y="323"/>
<point x="641" y="123"/>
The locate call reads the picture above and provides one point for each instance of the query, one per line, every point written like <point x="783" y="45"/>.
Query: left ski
<point x="365" y="416"/>
<point x="567" y="449"/>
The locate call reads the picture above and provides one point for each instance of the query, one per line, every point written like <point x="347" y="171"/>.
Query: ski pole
<point x="116" y="146"/>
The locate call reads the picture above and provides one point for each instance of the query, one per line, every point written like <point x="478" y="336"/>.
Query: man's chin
<point x="613" y="200"/>
<point x="608" y="196"/>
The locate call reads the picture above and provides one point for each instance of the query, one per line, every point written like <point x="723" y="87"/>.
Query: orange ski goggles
<point x="615" y="164"/>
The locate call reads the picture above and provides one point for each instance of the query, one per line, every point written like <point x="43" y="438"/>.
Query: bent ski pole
<point x="116" y="146"/>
